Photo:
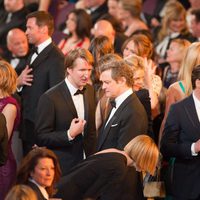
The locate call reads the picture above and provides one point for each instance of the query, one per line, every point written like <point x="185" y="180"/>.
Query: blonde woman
<point x="182" y="88"/>
<point x="21" y="192"/>
<point x="10" y="108"/>
<point x="105" y="172"/>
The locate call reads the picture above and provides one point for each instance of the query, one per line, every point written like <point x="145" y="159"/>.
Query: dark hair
<point x="83" y="23"/>
<point x="196" y="13"/>
<point x="43" y="18"/>
<point x="195" y="76"/>
<point x="77" y="53"/>
<point x="29" y="163"/>
<point x="119" y="69"/>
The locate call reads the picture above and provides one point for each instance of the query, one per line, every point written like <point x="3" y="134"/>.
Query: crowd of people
<point x="97" y="92"/>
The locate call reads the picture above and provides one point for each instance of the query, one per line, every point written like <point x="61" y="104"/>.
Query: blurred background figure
<point x="78" y="25"/>
<point x="21" y="192"/>
<point x="40" y="170"/>
<point x="195" y="23"/>
<point x="14" y="16"/>
<point x="113" y="8"/>
<point x="10" y="108"/>
<point x="130" y="16"/>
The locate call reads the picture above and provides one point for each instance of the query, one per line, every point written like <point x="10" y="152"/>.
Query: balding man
<point x="18" y="47"/>
<point x="13" y="17"/>
<point x="104" y="27"/>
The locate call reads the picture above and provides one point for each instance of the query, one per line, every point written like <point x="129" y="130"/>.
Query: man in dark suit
<point x="66" y="113"/>
<point x="18" y="47"/>
<point x="181" y="140"/>
<point x="3" y="140"/>
<point x="45" y="69"/>
<point x="126" y="120"/>
<point x="13" y="17"/>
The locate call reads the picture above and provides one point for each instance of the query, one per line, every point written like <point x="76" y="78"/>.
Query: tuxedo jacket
<point x="182" y="128"/>
<point x="48" y="70"/>
<point x="3" y="140"/>
<point x="56" y="110"/>
<point x="37" y="191"/>
<point x="129" y="120"/>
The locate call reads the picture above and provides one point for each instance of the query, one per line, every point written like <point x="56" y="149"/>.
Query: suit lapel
<point x="191" y="112"/>
<point x="105" y="130"/>
<point x="42" y="56"/>
<point x="68" y="99"/>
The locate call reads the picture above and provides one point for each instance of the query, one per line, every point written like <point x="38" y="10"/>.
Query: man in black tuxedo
<point x="44" y="70"/>
<point x="18" y="47"/>
<point x="126" y="120"/>
<point x="3" y="140"/>
<point x="181" y="140"/>
<point x="66" y="113"/>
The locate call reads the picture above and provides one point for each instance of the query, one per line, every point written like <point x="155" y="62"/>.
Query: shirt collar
<point x="72" y="89"/>
<point x="119" y="100"/>
<point x="44" y="44"/>
<point x="42" y="189"/>
<point x="196" y="101"/>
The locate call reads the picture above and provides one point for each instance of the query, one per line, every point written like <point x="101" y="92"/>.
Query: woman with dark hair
<point x="40" y="170"/>
<point x="78" y="24"/>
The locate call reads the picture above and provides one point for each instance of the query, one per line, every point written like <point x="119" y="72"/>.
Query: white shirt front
<point x="119" y="100"/>
<point x="40" y="49"/>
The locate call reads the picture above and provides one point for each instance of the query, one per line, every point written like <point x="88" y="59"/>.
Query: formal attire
<point x="95" y="176"/>
<point x="8" y="171"/>
<point x="182" y="129"/>
<point x="39" y="191"/>
<point x="3" y="140"/>
<point x="56" y="109"/>
<point x="48" y="70"/>
<point x="128" y="121"/>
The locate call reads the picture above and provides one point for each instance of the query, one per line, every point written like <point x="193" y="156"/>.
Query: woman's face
<point x="71" y="22"/>
<point x="174" y="53"/>
<point x="124" y="15"/>
<point x="130" y="49"/>
<point x="138" y="77"/>
<point x="113" y="8"/>
<point x="44" y="172"/>
<point x="177" y="25"/>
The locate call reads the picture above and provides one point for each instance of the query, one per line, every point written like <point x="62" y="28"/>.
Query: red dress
<point x="8" y="171"/>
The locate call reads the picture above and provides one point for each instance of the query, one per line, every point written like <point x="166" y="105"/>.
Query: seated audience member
<point x="13" y="17"/>
<point x="104" y="172"/>
<point x="78" y="24"/>
<point x="10" y="108"/>
<point x="181" y="141"/>
<point x="130" y="16"/>
<point x="104" y="27"/>
<point x="3" y="140"/>
<point x="18" y="47"/>
<point x="175" y="55"/>
<point x="40" y="170"/>
<point x="195" y="23"/>
<point x="113" y="8"/>
<point x="21" y="192"/>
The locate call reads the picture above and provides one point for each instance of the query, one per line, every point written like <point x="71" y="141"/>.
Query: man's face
<point x="18" y="44"/>
<point x="109" y="85"/>
<point x="33" y="31"/>
<point x="80" y="74"/>
<point x="10" y="5"/>
<point x="195" y="26"/>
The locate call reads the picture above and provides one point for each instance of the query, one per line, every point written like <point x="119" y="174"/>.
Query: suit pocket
<point x="114" y="125"/>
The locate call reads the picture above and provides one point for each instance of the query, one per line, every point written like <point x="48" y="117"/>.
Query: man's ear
<point x="197" y="83"/>
<point x="121" y="81"/>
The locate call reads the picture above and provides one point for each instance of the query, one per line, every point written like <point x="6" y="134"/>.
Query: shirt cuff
<point x="193" y="151"/>
<point x="69" y="136"/>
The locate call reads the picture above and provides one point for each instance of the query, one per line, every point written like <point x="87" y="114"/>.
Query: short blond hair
<point x="144" y="152"/>
<point x="21" y="192"/>
<point x="8" y="80"/>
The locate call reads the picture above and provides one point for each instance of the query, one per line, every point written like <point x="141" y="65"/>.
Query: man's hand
<point x="76" y="127"/>
<point x="197" y="146"/>
<point x="25" y="78"/>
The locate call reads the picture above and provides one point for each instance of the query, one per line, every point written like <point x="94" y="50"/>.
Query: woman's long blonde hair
<point x="144" y="152"/>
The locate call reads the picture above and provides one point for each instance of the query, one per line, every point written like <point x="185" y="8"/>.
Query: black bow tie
<point x="34" y="49"/>
<point x="80" y="91"/>
<point x="113" y="103"/>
